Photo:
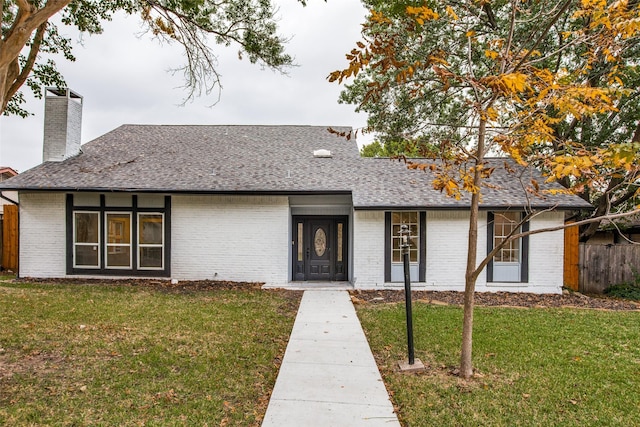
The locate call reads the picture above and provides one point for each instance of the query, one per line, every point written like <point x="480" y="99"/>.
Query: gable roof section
<point x="209" y="159"/>
<point x="391" y="185"/>
<point x="6" y="173"/>
<point x="260" y="160"/>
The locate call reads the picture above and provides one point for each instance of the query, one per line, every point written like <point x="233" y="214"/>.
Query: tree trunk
<point x="4" y="71"/>
<point x="466" y="364"/>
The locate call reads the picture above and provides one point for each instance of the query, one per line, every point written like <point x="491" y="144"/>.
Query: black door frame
<point x="339" y="270"/>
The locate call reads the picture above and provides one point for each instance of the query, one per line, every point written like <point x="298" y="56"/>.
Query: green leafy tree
<point x="482" y="77"/>
<point x="28" y="31"/>
<point x="386" y="147"/>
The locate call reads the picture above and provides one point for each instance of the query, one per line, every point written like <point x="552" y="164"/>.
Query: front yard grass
<point x="543" y="367"/>
<point x="129" y="356"/>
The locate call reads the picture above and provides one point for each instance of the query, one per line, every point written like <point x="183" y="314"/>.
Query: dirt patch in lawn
<point x="497" y="299"/>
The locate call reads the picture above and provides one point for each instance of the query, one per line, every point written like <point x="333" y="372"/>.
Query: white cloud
<point x="124" y="79"/>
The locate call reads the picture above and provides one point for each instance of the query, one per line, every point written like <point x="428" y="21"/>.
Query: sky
<point x="123" y="77"/>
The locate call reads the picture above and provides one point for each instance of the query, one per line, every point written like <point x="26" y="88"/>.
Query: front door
<point x="319" y="248"/>
<point x="319" y="243"/>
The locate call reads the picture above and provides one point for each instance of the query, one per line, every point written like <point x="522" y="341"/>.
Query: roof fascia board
<point x="167" y="191"/>
<point x="482" y="208"/>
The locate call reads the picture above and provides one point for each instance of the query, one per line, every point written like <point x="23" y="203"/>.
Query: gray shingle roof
<point x="256" y="159"/>
<point x="510" y="186"/>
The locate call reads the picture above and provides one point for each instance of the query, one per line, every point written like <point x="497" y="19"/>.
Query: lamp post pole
<point x="404" y="232"/>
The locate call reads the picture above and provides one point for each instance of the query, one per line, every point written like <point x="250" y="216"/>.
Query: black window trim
<point x="524" y="261"/>
<point x="422" y="261"/>
<point x="134" y="210"/>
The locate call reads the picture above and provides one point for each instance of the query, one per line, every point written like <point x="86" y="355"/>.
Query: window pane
<point x="86" y="256"/>
<point x="396" y="243"/>
<point x="86" y="227"/>
<point x="119" y="228"/>
<point x="339" y="242"/>
<point x="410" y="217"/>
<point x="118" y="240"/>
<point x="151" y="257"/>
<point x="151" y="241"/>
<point x="300" y="241"/>
<point x="118" y="256"/>
<point x="411" y="220"/>
<point x="320" y="242"/>
<point x="504" y="224"/>
<point x="150" y="229"/>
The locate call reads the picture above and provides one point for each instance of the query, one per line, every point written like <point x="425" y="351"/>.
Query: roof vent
<point x="322" y="153"/>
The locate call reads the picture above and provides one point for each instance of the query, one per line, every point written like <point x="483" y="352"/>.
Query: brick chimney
<point x="62" y="124"/>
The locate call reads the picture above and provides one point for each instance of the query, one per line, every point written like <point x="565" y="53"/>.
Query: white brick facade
<point x="239" y="238"/>
<point x="248" y="238"/>
<point x="42" y="235"/>
<point x="368" y="249"/>
<point x="546" y="255"/>
<point x="447" y="234"/>
<point x="446" y="253"/>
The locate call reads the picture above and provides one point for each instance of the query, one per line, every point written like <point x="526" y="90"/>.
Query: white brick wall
<point x="62" y="127"/>
<point x="247" y="238"/>
<point x="447" y="234"/>
<point x="546" y="255"/>
<point x="42" y="235"/>
<point x="368" y="249"/>
<point x="241" y="238"/>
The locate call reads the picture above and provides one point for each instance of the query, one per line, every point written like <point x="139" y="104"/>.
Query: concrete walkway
<point x="328" y="377"/>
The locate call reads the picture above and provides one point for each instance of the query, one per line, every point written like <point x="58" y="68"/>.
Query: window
<point x="117" y="236"/>
<point x="411" y="220"/>
<point x="504" y="224"/>
<point x="151" y="241"/>
<point x="86" y="240"/>
<point x="394" y="267"/>
<point x="510" y="264"/>
<point x="118" y="240"/>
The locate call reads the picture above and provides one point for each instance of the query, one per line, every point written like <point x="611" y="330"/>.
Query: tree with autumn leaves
<point x="398" y="115"/>
<point x="30" y="38"/>
<point x="551" y="83"/>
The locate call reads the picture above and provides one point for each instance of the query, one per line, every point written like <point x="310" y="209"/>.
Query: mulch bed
<point x="487" y="299"/>
<point x="160" y="285"/>
<point x="498" y="299"/>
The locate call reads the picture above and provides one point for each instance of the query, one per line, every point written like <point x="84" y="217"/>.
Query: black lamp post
<point x="404" y="233"/>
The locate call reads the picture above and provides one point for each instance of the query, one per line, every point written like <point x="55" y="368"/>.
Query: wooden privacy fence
<point x="571" y="258"/>
<point x="604" y="265"/>
<point x="10" y="238"/>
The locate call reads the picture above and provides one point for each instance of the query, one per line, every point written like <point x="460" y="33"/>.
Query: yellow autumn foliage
<point x="491" y="54"/>
<point x="422" y="13"/>
<point x="452" y="13"/>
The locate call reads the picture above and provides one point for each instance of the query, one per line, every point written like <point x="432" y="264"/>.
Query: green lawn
<point x="128" y="356"/>
<point x="542" y="367"/>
